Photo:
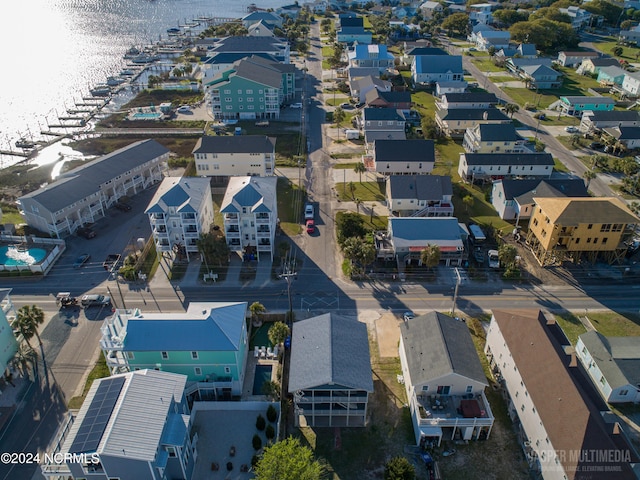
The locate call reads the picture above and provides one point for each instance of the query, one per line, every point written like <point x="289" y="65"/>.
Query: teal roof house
<point x="207" y="343"/>
<point x="8" y="342"/>
<point x="133" y="425"/>
<point x="575" y="105"/>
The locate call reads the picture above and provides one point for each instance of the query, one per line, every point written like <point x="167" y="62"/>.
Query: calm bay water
<point x="55" y="50"/>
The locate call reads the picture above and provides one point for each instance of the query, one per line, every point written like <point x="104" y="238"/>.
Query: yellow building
<point x="566" y="228"/>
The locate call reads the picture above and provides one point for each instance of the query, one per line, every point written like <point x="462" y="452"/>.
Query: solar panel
<point x="95" y="421"/>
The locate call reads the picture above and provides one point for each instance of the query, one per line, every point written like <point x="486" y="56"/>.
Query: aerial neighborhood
<point x="356" y="239"/>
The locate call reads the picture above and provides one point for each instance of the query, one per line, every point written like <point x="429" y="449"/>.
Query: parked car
<point x="571" y="129"/>
<point x="81" y="260"/>
<point x="86" y="232"/>
<point x="346" y="106"/>
<point x="296" y="105"/>
<point x="311" y="227"/>
<point x="95" y="300"/>
<point x="123" y="207"/>
<point x="309" y="212"/>
<point x="360" y="105"/>
<point x="184" y="109"/>
<point x="406" y="316"/>
<point x="596" y="146"/>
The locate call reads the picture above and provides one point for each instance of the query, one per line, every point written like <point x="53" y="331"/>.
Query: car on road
<point x="296" y="105"/>
<point x="95" y="300"/>
<point x="346" y="106"/>
<point x="81" y="260"/>
<point x="408" y="315"/>
<point x="311" y="227"/>
<point x="123" y="207"/>
<point x="596" y="146"/>
<point x="86" y="232"/>
<point x="571" y="129"/>
<point x="309" y="212"/>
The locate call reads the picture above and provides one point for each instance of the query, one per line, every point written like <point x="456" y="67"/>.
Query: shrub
<point x="260" y="423"/>
<point x="257" y="442"/>
<point x="272" y="413"/>
<point x="270" y="433"/>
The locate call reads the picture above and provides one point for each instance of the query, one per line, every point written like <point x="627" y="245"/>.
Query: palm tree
<point x="358" y="203"/>
<point x="27" y="320"/>
<point x="588" y="176"/>
<point x="511" y="108"/>
<point x="430" y="256"/>
<point x="360" y="169"/>
<point x="257" y="309"/>
<point x="278" y="332"/>
<point x="352" y="188"/>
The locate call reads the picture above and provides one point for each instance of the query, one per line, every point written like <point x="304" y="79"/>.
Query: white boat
<point x="127" y="73"/>
<point x="145" y="58"/>
<point x="101" y="91"/>
<point x="115" y="81"/>
<point x="25" y="143"/>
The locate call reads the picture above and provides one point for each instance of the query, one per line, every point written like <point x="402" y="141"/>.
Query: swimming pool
<point x="12" y="256"/>
<point x="263" y="374"/>
<point x="146" y="115"/>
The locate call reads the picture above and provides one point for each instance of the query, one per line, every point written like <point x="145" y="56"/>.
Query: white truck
<point x="494" y="259"/>
<point x="352" y="134"/>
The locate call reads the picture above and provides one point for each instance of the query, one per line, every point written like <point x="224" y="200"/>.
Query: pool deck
<point x="250" y="373"/>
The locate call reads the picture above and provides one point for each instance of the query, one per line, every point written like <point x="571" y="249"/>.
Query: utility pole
<point x="288" y="274"/>
<point x="455" y="293"/>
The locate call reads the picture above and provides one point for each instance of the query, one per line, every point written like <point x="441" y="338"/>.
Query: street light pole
<point x="455" y="293"/>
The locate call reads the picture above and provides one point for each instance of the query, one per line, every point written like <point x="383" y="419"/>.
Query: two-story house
<point x="370" y="56"/>
<point x="406" y="237"/>
<point x="487" y="38"/>
<point x="467" y="100"/>
<point x="444" y="380"/>
<point x="207" y="344"/>
<point x="484" y="166"/>
<point x="407" y="55"/>
<point x="235" y="155"/>
<point x="576" y="105"/>
<point x="613" y="364"/>
<point x="523" y="50"/>
<point x="403" y="157"/>
<point x="513" y="198"/>
<point x="568" y="228"/>
<point x="597" y="121"/>
<point x="383" y="124"/>
<point x="250" y="211"/>
<point x="580" y="18"/>
<point x="429" y="9"/>
<point x="395" y="100"/>
<point x="253" y="88"/>
<point x="436" y="68"/>
<point x="419" y="195"/>
<point x="631" y="84"/>
<point x="610" y="76"/>
<point x="493" y="138"/>
<point x="481" y="13"/>
<point x="180" y="211"/>
<point x="350" y="29"/>
<point x="593" y="65"/>
<point x="627" y="136"/>
<point x="559" y="426"/>
<point x="330" y="375"/>
<point x="361" y="86"/>
<point x="455" y="122"/>
<point x="83" y="195"/>
<point x="132" y="425"/>
<point x="570" y="59"/>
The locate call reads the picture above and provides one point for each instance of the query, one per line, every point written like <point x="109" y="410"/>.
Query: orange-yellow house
<point x="567" y="228"/>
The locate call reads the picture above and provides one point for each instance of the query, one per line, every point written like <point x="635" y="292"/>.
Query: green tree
<point x="550" y="13"/>
<point x="617" y="51"/>
<point x="349" y="224"/>
<point x="399" y="468"/>
<point x="214" y="248"/>
<point x="429" y="127"/>
<point x="511" y="108"/>
<point x="626" y="25"/>
<point x="430" y="256"/>
<point x="289" y="460"/>
<point x="27" y="320"/>
<point x="507" y="255"/>
<point x="270" y="432"/>
<point x="509" y="16"/>
<point x="456" y="22"/>
<point x="589" y="175"/>
<point x="338" y="116"/>
<point x="359" y="251"/>
<point x="256" y="441"/>
<point x="256" y="309"/>
<point x="608" y="10"/>
<point x="278" y="332"/>
<point x="468" y="201"/>
<point x="359" y="168"/>
<point x="358" y="202"/>
<point x="261" y="423"/>
<point x="272" y="413"/>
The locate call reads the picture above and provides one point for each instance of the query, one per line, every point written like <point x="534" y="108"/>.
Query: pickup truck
<point x="111" y="262"/>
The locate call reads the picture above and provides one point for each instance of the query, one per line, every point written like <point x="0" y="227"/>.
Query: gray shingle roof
<point x="186" y="194"/>
<point x="426" y="51"/>
<point x="524" y="190"/>
<point x="421" y="187"/>
<point x="404" y="151"/>
<point x="438" y="63"/>
<point x="249" y="44"/>
<point x="262" y="74"/>
<point x="508" y="158"/>
<point x="86" y="180"/>
<point x="436" y="345"/>
<point x="232" y="57"/>
<point x="618" y="358"/>
<point x="614" y="116"/>
<point x="330" y="350"/>
<point x="255" y="193"/>
<point x="470" y="97"/>
<point x="235" y="144"/>
<point x="389" y="97"/>
<point x="384" y="114"/>
<point x="477" y="114"/>
<point x="498" y="133"/>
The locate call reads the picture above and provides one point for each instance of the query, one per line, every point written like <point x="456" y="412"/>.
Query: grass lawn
<point x="337" y="99"/>
<point x="447" y="158"/>
<point x="612" y="324"/>
<point x="99" y="371"/>
<point x="502" y="79"/>
<point x="218" y="218"/>
<point x="365" y="191"/>
<point x="558" y="166"/>
<point x="10" y="214"/>
<point x="567" y="142"/>
<point x="571" y="326"/>
<point x="524" y="95"/>
<point x="628" y="53"/>
<point x="327" y="52"/>
<point x="481" y="212"/>
<point x="486" y="65"/>
<point x="425" y="103"/>
<point x="345" y="166"/>
<point x="290" y="203"/>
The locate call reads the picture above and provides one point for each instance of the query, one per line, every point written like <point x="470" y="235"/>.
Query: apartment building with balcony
<point x="562" y="432"/>
<point x="571" y="227"/>
<point x="207" y="343"/>
<point x="8" y="342"/>
<point x="250" y="211"/>
<point x="235" y="155"/>
<point x="180" y="211"/>
<point x="83" y="195"/>
<point x="444" y="380"/>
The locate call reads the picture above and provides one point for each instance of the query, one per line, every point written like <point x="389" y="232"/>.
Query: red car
<point x="310" y="227"/>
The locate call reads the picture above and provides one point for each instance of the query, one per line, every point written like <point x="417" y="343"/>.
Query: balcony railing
<point x="450" y="415"/>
